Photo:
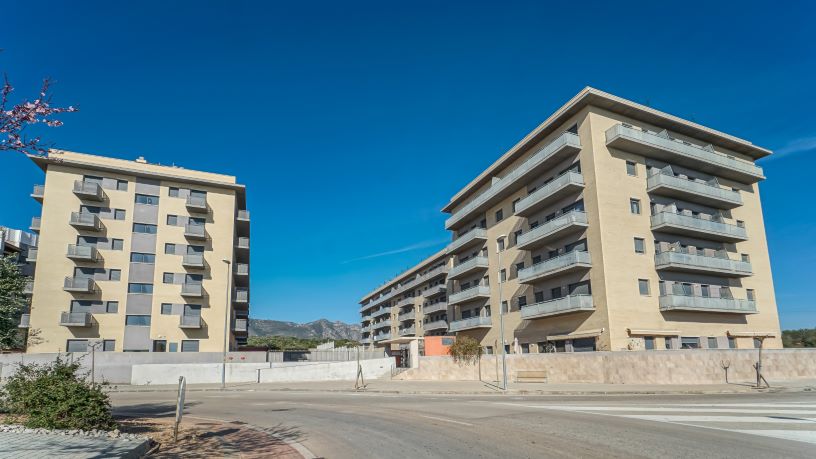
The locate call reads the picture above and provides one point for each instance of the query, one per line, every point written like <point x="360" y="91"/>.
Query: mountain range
<point x="321" y="328"/>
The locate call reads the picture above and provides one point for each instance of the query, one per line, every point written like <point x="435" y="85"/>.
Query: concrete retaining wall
<point x="647" y="367"/>
<point x="326" y="371"/>
<point x="195" y="373"/>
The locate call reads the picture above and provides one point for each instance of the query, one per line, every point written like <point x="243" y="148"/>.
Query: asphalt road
<point x="361" y="425"/>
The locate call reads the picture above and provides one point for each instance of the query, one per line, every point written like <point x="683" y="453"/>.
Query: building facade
<point x="409" y="306"/>
<point x="138" y="257"/>
<point x="613" y="226"/>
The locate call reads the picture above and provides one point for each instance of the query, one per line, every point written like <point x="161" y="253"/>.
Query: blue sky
<point x="353" y="123"/>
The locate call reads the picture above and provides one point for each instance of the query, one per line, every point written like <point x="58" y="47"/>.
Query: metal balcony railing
<point x="410" y="315"/>
<point x="36" y="222"/>
<point x="435" y="325"/>
<point x="472" y="237"/>
<point x="82" y="253"/>
<point x="195" y="231"/>
<point x="468" y="266"/>
<point x="89" y="190"/>
<point x="407" y="331"/>
<point x="559" y="226"/>
<point x="706" y="304"/>
<point x="76" y="319"/>
<point x="193" y="260"/>
<point x="79" y="285"/>
<point x="703" y="193"/>
<point x="471" y="323"/>
<point x="436" y="307"/>
<point x="190" y="289"/>
<point x="478" y="291"/>
<point x="241" y="295"/>
<point x="680" y="261"/>
<point x="566" y="263"/>
<point x="38" y="192"/>
<point x="241" y="269"/>
<point x="558" y="306"/>
<point x="189" y="321"/>
<point x="243" y="243"/>
<point x="562" y="185"/>
<point x="433" y="291"/>
<point x="31" y="256"/>
<point x="85" y="220"/>
<point x="196" y="203"/>
<point x="689" y="225"/>
<point x="241" y="325"/>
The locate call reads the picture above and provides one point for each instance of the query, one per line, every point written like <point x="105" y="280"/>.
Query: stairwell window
<point x="631" y="168"/>
<point x="634" y="206"/>
<point x="147" y="199"/>
<point x="643" y="287"/>
<point x="145" y="228"/>
<point x="649" y="343"/>
<point x="640" y="245"/>
<point x="499" y="215"/>
<point x="751" y="294"/>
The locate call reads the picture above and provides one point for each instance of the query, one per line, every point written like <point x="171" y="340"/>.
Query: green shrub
<point x="55" y="396"/>
<point x="465" y="351"/>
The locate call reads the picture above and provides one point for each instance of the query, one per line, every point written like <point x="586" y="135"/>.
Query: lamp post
<point x="226" y="324"/>
<point x="501" y="315"/>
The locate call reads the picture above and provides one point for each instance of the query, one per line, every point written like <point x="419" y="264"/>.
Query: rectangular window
<point x="519" y="267"/>
<point x="109" y="345"/>
<point x="144" y="228"/>
<point x="121" y="185"/>
<point x="140" y="288"/>
<point x="741" y="223"/>
<point x="500" y="244"/>
<point x="539" y="297"/>
<point x="166" y="309"/>
<point x="159" y="345"/>
<point x="173" y="192"/>
<point x="140" y="321"/>
<point x="648" y="343"/>
<point x="77" y="345"/>
<point x="117" y="244"/>
<point x="503" y="275"/>
<point x="114" y="274"/>
<point x="643" y="286"/>
<point x="712" y="342"/>
<point x="499" y="215"/>
<point x="516" y="235"/>
<point x="172" y="220"/>
<point x="489" y="350"/>
<point x="640" y="245"/>
<point x="522" y="301"/>
<point x="147" y="199"/>
<point x="732" y="342"/>
<point x="525" y="348"/>
<point x="516" y="201"/>
<point x="118" y="214"/>
<point x="168" y="278"/>
<point x="170" y="248"/>
<point x="757" y="343"/>
<point x="504" y="308"/>
<point x="689" y="342"/>
<point x="751" y="294"/>
<point x="631" y="168"/>
<point x="555" y="292"/>
<point x="634" y="206"/>
<point x="745" y="258"/>
<point x="189" y="345"/>
<point x="112" y="307"/>
<point x="137" y="257"/>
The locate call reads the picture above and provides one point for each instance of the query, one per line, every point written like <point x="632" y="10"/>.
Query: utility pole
<point x="226" y="324"/>
<point x="501" y="315"/>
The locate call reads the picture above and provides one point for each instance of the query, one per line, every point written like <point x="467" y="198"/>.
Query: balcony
<point x="381" y="312"/>
<point x="409" y="331"/>
<point x="381" y="324"/>
<point x="436" y="307"/>
<point x="82" y="253"/>
<point x="193" y="260"/>
<point x="701" y="193"/>
<point x="434" y="273"/>
<point x="189" y="321"/>
<point x="35" y="224"/>
<point x="365" y="329"/>
<point x="241" y="269"/>
<point x="473" y="293"/>
<point x="558" y="306"/>
<point x="561" y="186"/>
<point x="476" y="236"/>
<point x="405" y="316"/>
<point x="466" y="267"/>
<point x="195" y="231"/>
<point x="241" y="325"/>
<point x="563" y="264"/>
<point x="242" y="216"/>
<point x="79" y="285"/>
<point x="38" y="193"/>
<point x="665" y="148"/>
<point x="405" y="302"/>
<point x="563" y="145"/>
<point x="692" y="226"/>
<point x="31" y="256"/>
<point x="470" y="323"/>
<point x="192" y="290"/>
<point x="243" y="243"/>
<point x="435" y="325"/>
<point x="85" y="220"/>
<point x="196" y="203"/>
<point x="556" y="228"/>
<point x="76" y="319"/>
<point x="382" y="337"/>
<point x="241" y="295"/>
<point x="365" y="341"/>
<point x="89" y="190"/>
<point x="28" y="288"/>
<point x="686" y="262"/>
<point x="25" y="321"/>
<point x="365" y="318"/>
<point x="706" y="304"/>
<point x="433" y="291"/>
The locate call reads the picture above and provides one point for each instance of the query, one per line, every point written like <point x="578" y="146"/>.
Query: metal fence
<point x="329" y="355"/>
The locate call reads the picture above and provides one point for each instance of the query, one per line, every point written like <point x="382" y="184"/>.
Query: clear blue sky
<point x="353" y="123"/>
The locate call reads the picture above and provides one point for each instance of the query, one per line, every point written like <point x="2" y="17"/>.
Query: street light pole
<point x="501" y="316"/>
<point x="226" y="324"/>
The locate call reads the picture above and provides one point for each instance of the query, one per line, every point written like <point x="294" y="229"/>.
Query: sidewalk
<point x="488" y="388"/>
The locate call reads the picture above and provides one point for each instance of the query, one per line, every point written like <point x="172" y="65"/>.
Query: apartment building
<point x="21" y="246"/>
<point x="409" y="306"/>
<point x="138" y="257"/>
<point x="614" y="226"/>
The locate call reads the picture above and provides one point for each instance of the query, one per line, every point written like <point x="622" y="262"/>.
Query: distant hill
<point x="318" y="329"/>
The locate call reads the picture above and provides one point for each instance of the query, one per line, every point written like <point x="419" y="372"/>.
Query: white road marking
<point x="445" y="420"/>
<point x="807" y="436"/>
<point x="780" y="411"/>
<point x="756" y="419"/>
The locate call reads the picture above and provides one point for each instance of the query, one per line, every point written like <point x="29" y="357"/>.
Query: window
<point x="689" y="342"/>
<point x="631" y="168"/>
<point x="114" y="274"/>
<point x="522" y="301"/>
<point x="519" y="267"/>
<point x="172" y="347"/>
<point x="170" y="248"/>
<point x="172" y="220"/>
<point x="500" y="244"/>
<point x="503" y="275"/>
<point x="166" y="309"/>
<point x="168" y="278"/>
<point x="117" y="244"/>
<point x="757" y="343"/>
<point x="643" y="286"/>
<point x="112" y="307"/>
<point x="539" y="297"/>
<point x="109" y="345"/>
<point x="147" y="199"/>
<point x="705" y="291"/>
<point x="516" y="201"/>
<point x="173" y="192"/>
<point x="504" y="308"/>
<point x="137" y="257"/>
<point x="159" y="345"/>
<point x="489" y="350"/>
<point x="118" y="214"/>
<point x="90" y="209"/>
<point x="741" y="223"/>
<point x="499" y="215"/>
<point x="667" y="342"/>
<point x="712" y="342"/>
<point x="583" y="345"/>
<point x="144" y="228"/>
<point x="537" y="259"/>
<point x="732" y="342"/>
<point x="745" y="258"/>
<point x="573" y="129"/>
<point x="634" y="206"/>
<point x="751" y="294"/>
<point x="640" y="245"/>
<point x="189" y="345"/>
<point x="517" y="234"/>
<point x="140" y="288"/>
<point x="140" y="321"/>
<point x="77" y="345"/>
<point x="648" y="343"/>
<point x="525" y="348"/>
<point x="121" y="185"/>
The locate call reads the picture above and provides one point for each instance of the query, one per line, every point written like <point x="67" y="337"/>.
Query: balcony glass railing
<point x="243" y="243"/>
<point x="82" y="252"/>
<point x="35" y="224"/>
<point x="79" y="284"/>
<point x="241" y="325"/>
<point x="407" y="331"/>
<point x="468" y="266"/>
<point x="193" y="260"/>
<point x="31" y="256"/>
<point x="381" y="312"/>
<point x="189" y="289"/>
<point x="472" y="237"/>
<point x="435" y="325"/>
<point x="25" y="321"/>
<point x="554" y="266"/>
<point x="85" y="220"/>
<point x="197" y="203"/>
<point x="693" y="191"/>
<point x="241" y="269"/>
<point x="436" y="307"/>
<point x="382" y="336"/>
<point x="546" y="231"/>
<point x="691" y="225"/>
<point x="381" y="324"/>
<point x="28" y="287"/>
<point x="694" y="262"/>
<point x="75" y="319"/>
<point x="195" y="230"/>
<point x="243" y="215"/>
<point x="567" y="182"/>
<point x="38" y="192"/>
<point x="479" y="291"/>
<point x="558" y="306"/>
<point x="189" y="321"/>
<point x="89" y="190"/>
<point x="470" y="323"/>
<point x="433" y="291"/>
<point x="706" y="304"/>
<point x="411" y="315"/>
<point x="241" y="295"/>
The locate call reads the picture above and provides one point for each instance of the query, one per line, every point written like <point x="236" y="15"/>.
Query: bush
<point x="55" y="396"/>
<point x="465" y="350"/>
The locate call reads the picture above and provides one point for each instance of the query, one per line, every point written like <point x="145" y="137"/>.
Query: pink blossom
<point x="15" y="119"/>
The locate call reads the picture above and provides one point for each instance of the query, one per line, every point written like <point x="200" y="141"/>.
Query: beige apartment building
<point x="409" y="306"/>
<point x="613" y="226"/>
<point x="138" y="257"/>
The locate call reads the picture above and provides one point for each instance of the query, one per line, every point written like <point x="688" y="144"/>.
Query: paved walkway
<point x="36" y="446"/>
<point x="477" y="387"/>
